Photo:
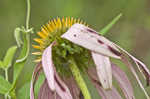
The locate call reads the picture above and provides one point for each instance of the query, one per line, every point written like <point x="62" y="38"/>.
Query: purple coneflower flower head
<point x="67" y="55"/>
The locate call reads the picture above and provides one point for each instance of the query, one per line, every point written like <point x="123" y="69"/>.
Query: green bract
<point x="61" y="52"/>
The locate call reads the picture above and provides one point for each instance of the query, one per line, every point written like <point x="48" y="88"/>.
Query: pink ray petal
<point x="61" y="88"/>
<point x="123" y="82"/>
<point x="71" y="83"/>
<point x="125" y="60"/>
<point x="109" y="94"/>
<point x="46" y="93"/>
<point x="103" y="67"/>
<point x="141" y="66"/>
<point x="105" y="94"/>
<point x="47" y="64"/>
<point x="35" y="76"/>
<point x="93" y="74"/>
<point x="54" y="81"/>
<point x="88" y="38"/>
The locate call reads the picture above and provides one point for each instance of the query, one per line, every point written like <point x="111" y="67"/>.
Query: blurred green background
<point x="132" y="32"/>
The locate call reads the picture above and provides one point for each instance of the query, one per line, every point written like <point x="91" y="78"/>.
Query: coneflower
<point x="66" y="48"/>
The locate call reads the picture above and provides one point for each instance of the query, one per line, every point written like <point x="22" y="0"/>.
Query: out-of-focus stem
<point x="6" y="74"/>
<point x="6" y="77"/>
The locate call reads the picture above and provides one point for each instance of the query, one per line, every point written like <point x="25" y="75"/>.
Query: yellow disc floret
<point x="52" y="31"/>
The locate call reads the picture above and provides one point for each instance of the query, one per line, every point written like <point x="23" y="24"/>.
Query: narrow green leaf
<point x="4" y="85"/>
<point x="109" y="26"/>
<point x="17" y="34"/>
<point x="9" y="56"/>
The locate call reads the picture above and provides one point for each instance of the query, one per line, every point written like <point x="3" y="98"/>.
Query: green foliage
<point x="4" y="85"/>
<point x="9" y="57"/>
<point x="20" y="62"/>
<point x="6" y="63"/>
<point x="23" y="92"/>
<point x="18" y="66"/>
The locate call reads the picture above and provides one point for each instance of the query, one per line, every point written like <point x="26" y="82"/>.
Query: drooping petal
<point x="31" y="91"/>
<point x="109" y="94"/>
<point x="47" y="64"/>
<point x="93" y="74"/>
<point x="88" y="38"/>
<point x="125" y="60"/>
<point x="123" y="82"/>
<point x="105" y="94"/>
<point x="141" y="66"/>
<point x="71" y="83"/>
<point x="35" y="75"/>
<point x="54" y="81"/>
<point x="103" y="67"/>
<point x="61" y="88"/>
<point x="46" y="93"/>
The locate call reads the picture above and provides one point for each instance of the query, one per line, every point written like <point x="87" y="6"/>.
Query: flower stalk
<point x="28" y="14"/>
<point x="79" y="79"/>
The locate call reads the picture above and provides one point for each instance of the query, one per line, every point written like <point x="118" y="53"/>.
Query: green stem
<point x="79" y="79"/>
<point x="5" y="96"/>
<point x="28" y="15"/>
<point x="6" y="74"/>
<point x="6" y="77"/>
